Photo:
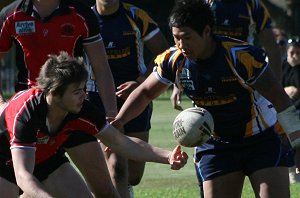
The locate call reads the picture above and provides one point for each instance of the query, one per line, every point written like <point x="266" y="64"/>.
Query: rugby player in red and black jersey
<point x="42" y="27"/>
<point x="36" y="122"/>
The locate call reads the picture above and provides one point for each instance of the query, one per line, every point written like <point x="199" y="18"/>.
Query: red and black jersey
<point x="68" y="28"/>
<point x="23" y="125"/>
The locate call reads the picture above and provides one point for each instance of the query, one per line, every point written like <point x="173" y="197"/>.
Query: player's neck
<point x="210" y="50"/>
<point x="107" y="9"/>
<point x="54" y="111"/>
<point x="45" y="7"/>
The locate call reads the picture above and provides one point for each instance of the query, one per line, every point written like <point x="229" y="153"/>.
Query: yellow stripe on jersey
<point x="266" y="16"/>
<point x="248" y="61"/>
<point x="141" y="14"/>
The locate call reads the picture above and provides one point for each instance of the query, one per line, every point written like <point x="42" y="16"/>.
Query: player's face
<point x="72" y="99"/>
<point x="293" y="55"/>
<point x="190" y="43"/>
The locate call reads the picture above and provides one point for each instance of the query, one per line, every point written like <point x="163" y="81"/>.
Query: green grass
<point x="159" y="180"/>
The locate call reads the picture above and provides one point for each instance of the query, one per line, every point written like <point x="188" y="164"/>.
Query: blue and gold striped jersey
<point x="124" y="33"/>
<point x="222" y="85"/>
<point x="240" y="19"/>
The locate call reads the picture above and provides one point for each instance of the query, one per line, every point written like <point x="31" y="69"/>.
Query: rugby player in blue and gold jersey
<point x="233" y="81"/>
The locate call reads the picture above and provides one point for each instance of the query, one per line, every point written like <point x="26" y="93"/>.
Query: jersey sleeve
<point x="249" y="62"/>
<point x="22" y="135"/>
<point x="92" y="120"/>
<point x="167" y="65"/>
<point x="143" y="21"/>
<point x="260" y="15"/>
<point x="91" y="23"/>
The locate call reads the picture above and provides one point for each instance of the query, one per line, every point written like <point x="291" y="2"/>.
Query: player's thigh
<point x="66" y="182"/>
<point x="225" y="186"/>
<point x="89" y="159"/>
<point x="271" y="182"/>
<point x="8" y="189"/>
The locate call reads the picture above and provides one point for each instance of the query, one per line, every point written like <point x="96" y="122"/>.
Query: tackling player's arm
<point x="24" y="162"/>
<point x="136" y="149"/>
<point x="139" y="99"/>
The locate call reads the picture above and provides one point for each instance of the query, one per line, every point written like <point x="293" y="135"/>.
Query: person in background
<point x="234" y="82"/>
<point x="246" y="20"/>
<point x="291" y="84"/>
<point x="36" y="122"/>
<point x="42" y="27"/>
<point x="282" y="41"/>
<point x="127" y="32"/>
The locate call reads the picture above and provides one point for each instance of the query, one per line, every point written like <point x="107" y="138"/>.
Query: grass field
<point x="159" y="180"/>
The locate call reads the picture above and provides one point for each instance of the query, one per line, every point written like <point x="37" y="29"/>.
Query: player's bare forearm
<point x="138" y="150"/>
<point x="23" y="161"/>
<point x="140" y="98"/>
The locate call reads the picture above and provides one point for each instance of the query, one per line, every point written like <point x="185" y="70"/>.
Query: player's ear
<point x="207" y="31"/>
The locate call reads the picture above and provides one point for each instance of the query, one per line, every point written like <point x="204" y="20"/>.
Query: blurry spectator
<point x="281" y="40"/>
<point x="291" y="84"/>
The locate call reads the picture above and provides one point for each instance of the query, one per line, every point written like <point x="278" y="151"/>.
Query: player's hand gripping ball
<point x="193" y="127"/>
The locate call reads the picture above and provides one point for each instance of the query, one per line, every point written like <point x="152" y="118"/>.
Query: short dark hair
<point x="293" y="42"/>
<point x="194" y="14"/>
<point x="59" y="71"/>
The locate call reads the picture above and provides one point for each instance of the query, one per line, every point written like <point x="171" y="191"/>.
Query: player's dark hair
<point x="59" y="71"/>
<point x="194" y="14"/>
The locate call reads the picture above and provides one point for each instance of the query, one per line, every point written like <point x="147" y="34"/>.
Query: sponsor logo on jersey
<point x="43" y="140"/>
<point x="128" y="33"/>
<point x="110" y="45"/>
<point x="67" y="30"/>
<point x="25" y="27"/>
<point x="185" y="79"/>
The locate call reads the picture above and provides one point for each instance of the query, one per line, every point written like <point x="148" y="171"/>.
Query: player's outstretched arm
<point x="136" y="149"/>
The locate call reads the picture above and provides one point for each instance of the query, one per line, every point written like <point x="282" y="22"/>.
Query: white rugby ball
<point x="193" y="127"/>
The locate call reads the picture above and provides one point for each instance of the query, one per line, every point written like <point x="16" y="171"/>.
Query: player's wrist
<point x="289" y="120"/>
<point x="140" y="79"/>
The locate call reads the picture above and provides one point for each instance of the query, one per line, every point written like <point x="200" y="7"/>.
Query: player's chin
<point x="75" y="110"/>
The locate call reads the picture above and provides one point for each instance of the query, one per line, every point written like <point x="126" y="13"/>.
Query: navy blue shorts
<point x="139" y="124"/>
<point x="267" y="149"/>
<point x="41" y="171"/>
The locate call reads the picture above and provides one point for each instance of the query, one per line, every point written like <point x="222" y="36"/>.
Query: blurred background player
<point x="36" y="122"/>
<point x="233" y="81"/>
<point x="126" y="29"/>
<point x="41" y="27"/>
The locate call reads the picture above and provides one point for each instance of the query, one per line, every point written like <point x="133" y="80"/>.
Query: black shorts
<point x="264" y="150"/>
<point x="41" y="171"/>
<point x="139" y="124"/>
